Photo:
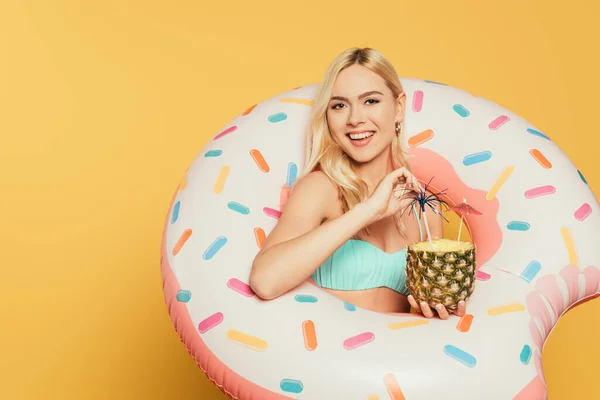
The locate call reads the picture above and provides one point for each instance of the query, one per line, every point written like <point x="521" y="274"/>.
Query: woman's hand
<point x="387" y="198"/>
<point x="424" y="309"/>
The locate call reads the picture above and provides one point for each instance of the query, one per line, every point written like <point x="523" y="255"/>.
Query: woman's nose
<point x="356" y="116"/>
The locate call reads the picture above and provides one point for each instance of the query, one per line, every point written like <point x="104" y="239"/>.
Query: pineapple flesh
<point x="442" y="271"/>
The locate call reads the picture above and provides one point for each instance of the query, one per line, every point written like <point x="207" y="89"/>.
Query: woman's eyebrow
<point x="360" y="97"/>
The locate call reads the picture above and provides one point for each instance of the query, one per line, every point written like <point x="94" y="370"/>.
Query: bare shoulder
<point x="312" y="200"/>
<point x="316" y="187"/>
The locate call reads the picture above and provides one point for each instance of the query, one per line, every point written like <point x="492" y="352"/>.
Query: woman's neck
<point x="376" y="169"/>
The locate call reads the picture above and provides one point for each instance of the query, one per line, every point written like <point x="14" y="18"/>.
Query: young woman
<point x="342" y="226"/>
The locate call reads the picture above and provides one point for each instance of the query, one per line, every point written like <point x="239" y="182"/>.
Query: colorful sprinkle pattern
<point x="219" y="237"/>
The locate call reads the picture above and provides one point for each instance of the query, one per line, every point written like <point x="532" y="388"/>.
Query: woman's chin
<point x="362" y="157"/>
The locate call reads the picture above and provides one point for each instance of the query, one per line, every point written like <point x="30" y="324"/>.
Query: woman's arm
<point x="300" y="242"/>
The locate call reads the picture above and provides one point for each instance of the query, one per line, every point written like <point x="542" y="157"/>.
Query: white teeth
<point x="355" y="136"/>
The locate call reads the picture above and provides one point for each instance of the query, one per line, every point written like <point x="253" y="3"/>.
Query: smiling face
<point x="362" y="113"/>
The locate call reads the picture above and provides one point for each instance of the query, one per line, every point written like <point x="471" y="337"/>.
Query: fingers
<point x="442" y="312"/>
<point x="462" y="308"/>
<point x="403" y="177"/>
<point x="426" y="310"/>
<point x="412" y="302"/>
<point x="400" y="174"/>
<point x="400" y="191"/>
<point x="421" y="307"/>
<point x="415" y="183"/>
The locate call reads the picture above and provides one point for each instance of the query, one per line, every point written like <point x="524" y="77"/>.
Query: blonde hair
<point x="321" y="149"/>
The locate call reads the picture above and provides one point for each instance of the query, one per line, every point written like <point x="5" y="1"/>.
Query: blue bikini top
<point x="359" y="265"/>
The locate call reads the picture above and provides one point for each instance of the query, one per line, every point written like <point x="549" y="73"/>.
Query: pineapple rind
<point x="443" y="273"/>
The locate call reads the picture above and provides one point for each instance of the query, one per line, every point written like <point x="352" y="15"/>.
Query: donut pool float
<point x="537" y="257"/>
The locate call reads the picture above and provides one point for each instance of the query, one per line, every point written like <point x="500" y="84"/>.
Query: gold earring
<point x="398" y="129"/>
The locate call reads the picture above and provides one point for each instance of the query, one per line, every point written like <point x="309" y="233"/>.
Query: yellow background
<point x="103" y="106"/>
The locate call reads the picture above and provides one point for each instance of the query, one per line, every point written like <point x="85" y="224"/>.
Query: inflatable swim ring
<point x="538" y="256"/>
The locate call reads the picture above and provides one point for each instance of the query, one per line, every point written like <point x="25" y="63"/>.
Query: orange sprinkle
<point x="246" y="340"/>
<point x="540" y="158"/>
<point x="221" y="179"/>
<point x="260" y="236"/>
<point x="259" y="160"/>
<point x="182" y="239"/>
<point x="393" y="388"/>
<point x="509" y="308"/>
<point x="465" y="323"/>
<point x="310" y="336"/>
<point x="249" y="110"/>
<point x="568" y="239"/>
<point x="420" y="138"/>
<point x="491" y="195"/>
<point x="304" y="102"/>
<point x="408" y="324"/>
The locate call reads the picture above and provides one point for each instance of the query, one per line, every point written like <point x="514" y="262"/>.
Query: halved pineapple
<point x="442" y="271"/>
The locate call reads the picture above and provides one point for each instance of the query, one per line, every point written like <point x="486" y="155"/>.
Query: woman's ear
<point x="400" y="107"/>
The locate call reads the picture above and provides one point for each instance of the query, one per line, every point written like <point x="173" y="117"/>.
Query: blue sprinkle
<point x="213" y="153"/>
<point x="305" y="298"/>
<point x="518" y="226"/>
<point x="277" y="117"/>
<point x="184" y="296"/>
<point x="214" y="247"/>
<point x="235" y="206"/>
<point x="537" y="133"/>
<point x="477" y="158"/>
<point x="291" y="385"/>
<point x="461" y="110"/>
<point x="581" y="176"/>
<point x="175" y="213"/>
<point x="460" y="355"/>
<point x="525" y="354"/>
<point x="437" y="83"/>
<point x="531" y="271"/>
<point x="349" y="307"/>
<point x="292" y="172"/>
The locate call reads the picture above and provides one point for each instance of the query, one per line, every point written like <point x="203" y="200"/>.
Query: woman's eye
<point x="374" y="101"/>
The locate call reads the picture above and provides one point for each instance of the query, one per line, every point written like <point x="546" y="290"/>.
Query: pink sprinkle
<point x="272" y="213"/>
<point x="482" y="276"/>
<point x="498" y="122"/>
<point x="240" y="287"/>
<point x="225" y="132"/>
<point x="358" y="340"/>
<point x="583" y="212"/>
<point x="210" y="322"/>
<point x="540" y="191"/>
<point x="417" y="101"/>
